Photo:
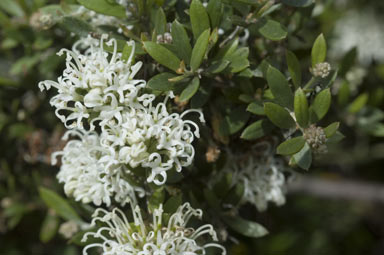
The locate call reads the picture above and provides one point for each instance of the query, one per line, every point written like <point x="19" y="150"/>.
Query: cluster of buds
<point x="316" y="139"/>
<point x="321" y="70"/>
<point x="164" y="38"/>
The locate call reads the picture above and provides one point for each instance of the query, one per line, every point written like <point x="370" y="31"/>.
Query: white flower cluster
<point x="122" y="237"/>
<point x="321" y="70"/>
<point x="98" y="89"/>
<point x="362" y="28"/>
<point x="316" y="139"/>
<point x="262" y="175"/>
<point x="90" y="173"/>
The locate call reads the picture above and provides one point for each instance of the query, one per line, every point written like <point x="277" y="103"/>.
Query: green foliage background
<point x="29" y="131"/>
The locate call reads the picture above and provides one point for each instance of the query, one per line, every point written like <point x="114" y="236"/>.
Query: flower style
<point x="121" y="237"/>
<point x="90" y="174"/>
<point x="262" y="176"/>
<point x="95" y="85"/>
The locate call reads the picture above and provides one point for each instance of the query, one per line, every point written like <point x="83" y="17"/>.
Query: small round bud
<point x="68" y="229"/>
<point x="164" y="38"/>
<point x="41" y="21"/>
<point x="321" y="70"/>
<point x="315" y="137"/>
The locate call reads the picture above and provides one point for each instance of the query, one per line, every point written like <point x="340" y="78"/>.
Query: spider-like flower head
<point x="262" y="175"/>
<point x="95" y="85"/>
<point x="91" y="174"/>
<point x="122" y="237"/>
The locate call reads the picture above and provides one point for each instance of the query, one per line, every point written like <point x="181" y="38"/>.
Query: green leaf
<point x="235" y="121"/>
<point x="298" y="3"/>
<point x="156" y="199"/>
<point x="173" y="203"/>
<point x="49" y="228"/>
<point x="273" y="30"/>
<point x="337" y="137"/>
<point x="301" y="108"/>
<point x="256" y="108"/>
<point x="127" y="50"/>
<point x="201" y="97"/>
<point x="331" y="129"/>
<point x="104" y="7"/>
<point x="291" y="146"/>
<point x="256" y="130"/>
<point x="75" y="25"/>
<point x="12" y="8"/>
<point x="222" y="187"/>
<point x="245" y="227"/>
<point x="235" y="194"/>
<point x="181" y="42"/>
<point x="58" y="204"/>
<point x="319" y="50"/>
<point x="199" y="18"/>
<point x="321" y="104"/>
<point x="294" y="68"/>
<point x="358" y="103"/>
<point x="304" y="157"/>
<point x="190" y="90"/>
<point x="343" y="94"/>
<point x="160" y="22"/>
<point x="279" y="87"/>
<point x="238" y="59"/>
<point x="162" y="55"/>
<point x="199" y="50"/>
<point x="279" y="116"/>
<point x="218" y="66"/>
<point x="161" y="82"/>
<point x="215" y="10"/>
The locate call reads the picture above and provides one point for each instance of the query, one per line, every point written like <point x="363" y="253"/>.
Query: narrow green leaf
<point x="12" y="7"/>
<point x="256" y="130"/>
<point x="279" y="87"/>
<point x="156" y="199"/>
<point x="201" y="97"/>
<point x="162" y="55"/>
<point x="161" y="82"/>
<point x="256" y="108"/>
<point x="331" y="129"/>
<point x="358" y="103"/>
<point x="294" y="68"/>
<point x="304" y="157"/>
<point x="235" y="194"/>
<point x="58" y="204"/>
<point x="104" y="7"/>
<point x="301" y="108"/>
<point x="160" y="22"/>
<point x="173" y="203"/>
<point x="291" y="146"/>
<point x="49" y="228"/>
<point x="279" y="116"/>
<point x="215" y="10"/>
<point x="190" y="90"/>
<point x="273" y="30"/>
<point x="75" y="25"/>
<point x="335" y="138"/>
<point x="199" y="50"/>
<point x="199" y="18"/>
<point x="181" y="41"/>
<point x="322" y="103"/>
<point x="343" y="94"/>
<point x="298" y="3"/>
<point x="235" y="121"/>
<point x="319" y="50"/>
<point x="218" y="66"/>
<point x="245" y="227"/>
<point x="238" y="59"/>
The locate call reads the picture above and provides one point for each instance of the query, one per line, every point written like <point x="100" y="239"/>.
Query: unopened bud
<point x="321" y="70"/>
<point x="212" y="154"/>
<point x="316" y="138"/>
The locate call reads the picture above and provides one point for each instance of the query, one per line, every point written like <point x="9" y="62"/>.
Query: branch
<point x="338" y="189"/>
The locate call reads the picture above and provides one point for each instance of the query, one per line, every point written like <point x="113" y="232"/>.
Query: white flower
<point x="151" y="137"/>
<point x="362" y="28"/>
<point x="261" y="174"/>
<point x="95" y="85"/>
<point x="121" y="237"/>
<point x="91" y="174"/>
<point x="321" y="70"/>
